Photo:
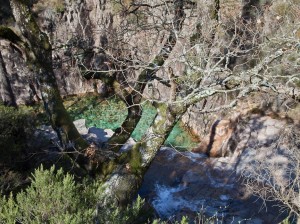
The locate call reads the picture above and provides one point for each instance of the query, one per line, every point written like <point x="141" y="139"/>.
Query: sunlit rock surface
<point x="239" y="133"/>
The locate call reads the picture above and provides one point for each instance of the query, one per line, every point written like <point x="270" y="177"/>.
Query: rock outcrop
<point x="90" y="25"/>
<point x="240" y="132"/>
<point x="264" y="162"/>
<point x="217" y="143"/>
<point x="80" y="24"/>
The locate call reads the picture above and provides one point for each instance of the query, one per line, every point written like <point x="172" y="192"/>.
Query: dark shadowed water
<point x="184" y="183"/>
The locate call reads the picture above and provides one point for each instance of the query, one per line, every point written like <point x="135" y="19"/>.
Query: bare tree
<point x="132" y="94"/>
<point x="278" y="180"/>
<point x="222" y="54"/>
<point x="210" y="70"/>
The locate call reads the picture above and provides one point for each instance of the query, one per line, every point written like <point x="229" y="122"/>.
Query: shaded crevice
<point x="7" y="94"/>
<point x="212" y="137"/>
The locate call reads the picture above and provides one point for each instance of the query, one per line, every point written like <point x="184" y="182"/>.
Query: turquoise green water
<point x="111" y="113"/>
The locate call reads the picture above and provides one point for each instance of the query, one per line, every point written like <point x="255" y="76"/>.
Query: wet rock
<point x="98" y="135"/>
<point x="45" y="135"/>
<point x="101" y="136"/>
<point x="191" y="177"/>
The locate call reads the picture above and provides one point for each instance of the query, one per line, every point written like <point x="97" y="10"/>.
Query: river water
<point x="187" y="184"/>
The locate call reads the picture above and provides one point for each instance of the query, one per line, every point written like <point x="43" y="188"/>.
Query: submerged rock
<point x="45" y="135"/>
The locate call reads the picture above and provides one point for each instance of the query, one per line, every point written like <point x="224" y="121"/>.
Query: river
<point x="187" y="184"/>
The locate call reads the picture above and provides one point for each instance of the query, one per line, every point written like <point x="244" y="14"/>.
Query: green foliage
<point x="285" y="221"/>
<point x="55" y="197"/>
<point x="199" y="219"/>
<point x="52" y="198"/>
<point x="184" y="220"/>
<point x="132" y="214"/>
<point x="15" y="126"/>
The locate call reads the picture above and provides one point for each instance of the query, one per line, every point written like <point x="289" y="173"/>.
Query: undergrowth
<point x="15" y="127"/>
<point x="55" y="197"/>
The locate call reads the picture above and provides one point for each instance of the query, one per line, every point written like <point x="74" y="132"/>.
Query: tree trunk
<point x="125" y="173"/>
<point x="6" y="92"/>
<point x="123" y="133"/>
<point x="134" y="98"/>
<point x="124" y="182"/>
<point x="38" y="52"/>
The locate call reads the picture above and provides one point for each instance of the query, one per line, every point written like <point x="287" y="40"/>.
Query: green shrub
<point x="133" y="214"/>
<point x="52" y="198"/>
<point x="184" y="220"/>
<point x="55" y="197"/>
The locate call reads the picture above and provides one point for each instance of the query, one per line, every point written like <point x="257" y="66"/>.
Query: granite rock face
<point x="69" y="25"/>
<point x="240" y="132"/>
<point x="94" y="24"/>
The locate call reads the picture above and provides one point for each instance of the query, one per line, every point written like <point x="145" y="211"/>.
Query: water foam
<point x="167" y="203"/>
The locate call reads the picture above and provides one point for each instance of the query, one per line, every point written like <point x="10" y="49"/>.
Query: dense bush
<point x="55" y="197"/>
<point x="15" y="125"/>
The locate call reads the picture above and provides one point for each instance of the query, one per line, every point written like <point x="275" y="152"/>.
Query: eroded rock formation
<point x="216" y="144"/>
